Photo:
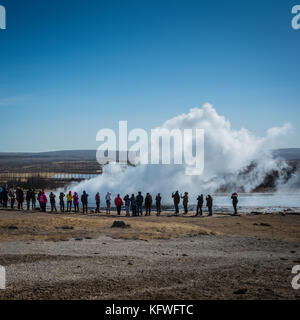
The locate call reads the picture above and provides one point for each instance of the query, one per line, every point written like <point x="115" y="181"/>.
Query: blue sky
<point x="69" y="68"/>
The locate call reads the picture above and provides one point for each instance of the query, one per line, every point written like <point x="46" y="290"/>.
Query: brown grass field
<point x="39" y="226"/>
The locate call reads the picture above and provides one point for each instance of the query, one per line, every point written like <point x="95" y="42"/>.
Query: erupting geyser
<point x="228" y="153"/>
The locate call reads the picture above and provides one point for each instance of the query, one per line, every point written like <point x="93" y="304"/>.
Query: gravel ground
<point x="81" y="257"/>
<point x="203" y="267"/>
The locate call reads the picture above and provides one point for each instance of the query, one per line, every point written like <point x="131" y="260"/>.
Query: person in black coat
<point x="209" y="204"/>
<point x="176" y="199"/>
<point x="62" y="202"/>
<point x="148" y="204"/>
<point x="139" y="203"/>
<point x="33" y="199"/>
<point x="84" y="200"/>
<point x="200" y="201"/>
<point x="12" y="196"/>
<point x="52" y="197"/>
<point x="20" y="198"/>
<point x="235" y="202"/>
<point x="28" y="199"/>
<point x="4" y="197"/>
<point x="133" y="205"/>
<point x="158" y="204"/>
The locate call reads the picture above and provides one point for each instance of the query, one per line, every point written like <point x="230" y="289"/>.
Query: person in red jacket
<point x="43" y="201"/>
<point x="119" y="203"/>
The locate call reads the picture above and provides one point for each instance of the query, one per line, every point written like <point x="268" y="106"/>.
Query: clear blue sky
<point x="69" y="68"/>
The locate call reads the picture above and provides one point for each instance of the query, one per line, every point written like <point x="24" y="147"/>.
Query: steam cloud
<point x="227" y="153"/>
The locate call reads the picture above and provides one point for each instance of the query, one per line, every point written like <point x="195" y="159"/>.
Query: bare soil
<point x="55" y="256"/>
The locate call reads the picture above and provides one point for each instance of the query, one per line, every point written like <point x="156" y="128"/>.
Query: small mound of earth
<point x="67" y="228"/>
<point x="262" y="224"/>
<point x="120" y="224"/>
<point x="240" y="291"/>
<point x="10" y="227"/>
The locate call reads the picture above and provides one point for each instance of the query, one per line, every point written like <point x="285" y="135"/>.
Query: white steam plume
<point x="227" y="152"/>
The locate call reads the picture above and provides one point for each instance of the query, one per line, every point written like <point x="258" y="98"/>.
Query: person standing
<point x="209" y="204"/>
<point x="76" y="202"/>
<point x="235" y="202"/>
<point x="12" y="197"/>
<point x="69" y="201"/>
<point x="33" y="199"/>
<point x="4" y="197"/>
<point x="28" y="199"/>
<point x="38" y="198"/>
<point x="108" y="201"/>
<point x="118" y="203"/>
<point x="139" y="203"/>
<point x="20" y="198"/>
<point x="185" y="202"/>
<point x="52" y="202"/>
<point x="133" y="205"/>
<point x="43" y="201"/>
<point x="1" y="195"/>
<point x="97" y="199"/>
<point x="84" y="200"/>
<point x="158" y="204"/>
<point x="148" y="204"/>
<point x="127" y="205"/>
<point x="176" y="200"/>
<point x="200" y="201"/>
<point x="62" y="202"/>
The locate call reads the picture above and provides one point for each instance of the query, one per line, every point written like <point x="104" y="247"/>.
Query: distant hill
<point x="46" y="157"/>
<point x="60" y="155"/>
<point x="287" y="154"/>
<point x="90" y="155"/>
